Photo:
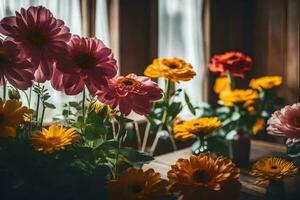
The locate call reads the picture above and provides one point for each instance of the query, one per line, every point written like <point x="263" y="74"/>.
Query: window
<point x="180" y="35"/>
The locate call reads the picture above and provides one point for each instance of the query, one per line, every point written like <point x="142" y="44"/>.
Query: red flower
<point x="18" y="72"/>
<point x="88" y="62"/>
<point x="40" y="36"/>
<point x="131" y="92"/>
<point x="235" y="62"/>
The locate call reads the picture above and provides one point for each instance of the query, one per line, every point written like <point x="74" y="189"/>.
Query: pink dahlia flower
<point x="88" y="62"/>
<point x="18" y="72"/>
<point x="39" y="35"/>
<point x="286" y="122"/>
<point x="130" y="93"/>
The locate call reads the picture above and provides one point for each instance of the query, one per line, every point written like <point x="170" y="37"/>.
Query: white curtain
<point x="180" y="35"/>
<point x="69" y="12"/>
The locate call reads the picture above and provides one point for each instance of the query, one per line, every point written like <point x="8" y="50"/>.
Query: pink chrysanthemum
<point x="286" y="122"/>
<point x="40" y="36"/>
<point x="130" y="93"/>
<point x="18" y="72"/>
<point x="88" y="62"/>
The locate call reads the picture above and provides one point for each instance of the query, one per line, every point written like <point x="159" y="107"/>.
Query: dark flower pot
<point x="239" y="149"/>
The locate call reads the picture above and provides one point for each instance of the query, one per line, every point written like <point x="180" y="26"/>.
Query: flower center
<point x="36" y="38"/>
<point x="127" y="82"/>
<point x="297" y="121"/>
<point x="274" y="167"/>
<point x="85" y="61"/>
<point x="173" y="65"/>
<point x="3" y="58"/>
<point x="196" y="124"/>
<point x="200" y="176"/>
<point x="136" y="188"/>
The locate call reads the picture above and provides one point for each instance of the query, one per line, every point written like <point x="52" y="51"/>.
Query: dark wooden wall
<point x="268" y="31"/>
<point x="276" y="43"/>
<point x="134" y="30"/>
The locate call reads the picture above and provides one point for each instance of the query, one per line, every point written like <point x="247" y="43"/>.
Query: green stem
<point x="30" y="93"/>
<point x="230" y="80"/>
<point x="167" y="91"/>
<point x="164" y="118"/>
<point x="4" y="89"/>
<point x="43" y="114"/>
<point x="38" y="107"/>
<point x="83" y="103"/>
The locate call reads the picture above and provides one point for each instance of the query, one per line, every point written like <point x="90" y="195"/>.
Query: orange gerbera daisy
<point x="53" y="139"/>
<point x="174" y="69"/>
<point x="272" y="169"/>
<point x="193" y="128"/>
<point x="11" y="116"/>
<point x="265" y="82"/>
<point x="222" y="84"/>
<point x="203" y="172"/>
<point x="246" y="97"/>
<point x="136" y="184"/>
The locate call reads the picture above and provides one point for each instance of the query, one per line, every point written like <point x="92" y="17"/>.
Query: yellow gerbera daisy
<point x="266" y="82"/>
<point x="222" y="84"/>
<point x="11" y="116"/>
<point x="174" y="69"/>
<point x="135" y="184"/>
<point x="246" y="97"/>
<point x="202" y="172"/>
<point x="53" y="139"/>
<point x="193" y="128"/>
<point x="272" y="169"/>
<point x="258" y="126"/>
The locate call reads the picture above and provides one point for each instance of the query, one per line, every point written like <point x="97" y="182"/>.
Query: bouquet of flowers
<point x="83" y="156"/>
<point x="75" y="157"/>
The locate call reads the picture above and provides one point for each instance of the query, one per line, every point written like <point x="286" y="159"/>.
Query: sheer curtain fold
<point x="181" y="35"/>
<point x="69" y="11"/>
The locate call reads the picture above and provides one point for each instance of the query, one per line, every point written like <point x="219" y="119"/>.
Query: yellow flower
<point x="135" y="184"/>
<point x="266" y="82"/>
<point x="272" y="169"/>
<point x="246" y="97"/>
<point x="191" y="128"/>
<point x="11" y="116"/>
<point x="53" y="139"/>
<point x="258" y="126"/>
<point x="203" y="171"/>
<point x="222" y="84"/>
<point x="174" y="69"/>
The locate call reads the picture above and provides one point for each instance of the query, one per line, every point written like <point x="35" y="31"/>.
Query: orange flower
<point x="266" y="82"/>
<point x="191" y="128"/>
<point x="222" y="84"/>
<point x="203" y="172"/>
<point x="174" y="69"/>
<point x="135" y="184"/>
<point x="246" y="97"/>
<point x="234" y="62"/>
<point x="12" y="114"/>
<point x="272" y="169"/>
<point x="258" y="126"/>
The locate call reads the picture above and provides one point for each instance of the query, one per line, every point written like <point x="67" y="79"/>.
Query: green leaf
<point x="189" y="104"/>
<point x="235" y="116"/>
<point x="109" y="144"/>
<point x="122" y="119"/>
<point x="49" y="105"/>
<point x="135" y="157"/>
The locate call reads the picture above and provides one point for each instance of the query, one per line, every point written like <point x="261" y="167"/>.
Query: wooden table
<point x="249" y="191"/>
